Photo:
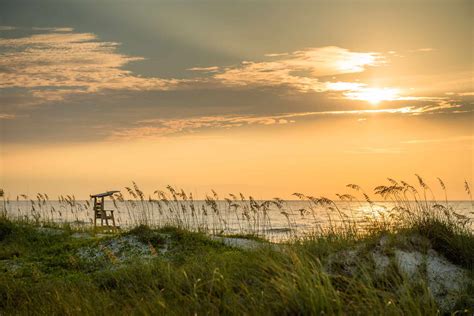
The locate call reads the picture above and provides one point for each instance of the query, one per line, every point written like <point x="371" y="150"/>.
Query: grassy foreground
<point x="57" y="271"/>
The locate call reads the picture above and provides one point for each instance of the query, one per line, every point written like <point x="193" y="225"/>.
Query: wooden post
<point x="104" y="215"/>
<point x="95" y="212"/>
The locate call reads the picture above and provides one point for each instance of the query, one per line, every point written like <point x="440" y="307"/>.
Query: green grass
<point x="199" y="275"/>
<point x="178" y="269"/>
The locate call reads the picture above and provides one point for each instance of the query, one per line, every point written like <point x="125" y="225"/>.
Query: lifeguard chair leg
<point x="113" y="218"/>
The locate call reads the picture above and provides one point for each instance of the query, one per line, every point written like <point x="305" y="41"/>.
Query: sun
<point x="374" y="95"/>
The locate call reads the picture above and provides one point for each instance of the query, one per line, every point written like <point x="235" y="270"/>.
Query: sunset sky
<point x="261" y="97"/>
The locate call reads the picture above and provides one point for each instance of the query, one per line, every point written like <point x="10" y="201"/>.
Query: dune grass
<point x="186" y="272"/>
<point x="200" y="276"/>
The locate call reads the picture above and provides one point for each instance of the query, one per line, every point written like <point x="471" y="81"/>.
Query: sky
<point x="262" y="97"/>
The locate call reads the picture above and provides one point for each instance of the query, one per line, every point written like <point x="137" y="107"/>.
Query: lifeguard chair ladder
<point x="101" y="213"/>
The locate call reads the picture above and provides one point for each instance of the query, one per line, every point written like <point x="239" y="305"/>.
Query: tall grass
<point x="238" y="214"/>
<point x="200" y="276"/>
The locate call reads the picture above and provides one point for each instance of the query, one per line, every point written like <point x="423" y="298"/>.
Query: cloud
<point x="305" y="71"/>
<point x="54" y="29"/>
<point x="376" y="95"/>
<point x="300" y="69"/>
<point x="6" y="28"/>
<point x="156" y="128"/>
<point x="204" y="69"/>
<point x="56" y="64"/>
<point x="466" y="94"/>
<point x="60" y="62"/>
<point x="360" y="91"/>
<point x="442" y="105"/>
<point x="276" y="54"/>
<point x="55" y="94"/>
<point x="424" y="50"/>
<point x="160" y="128"/>
<point x="4" y="116"/>
<point x="344" y="86"/>
<point x="440" y="140"/>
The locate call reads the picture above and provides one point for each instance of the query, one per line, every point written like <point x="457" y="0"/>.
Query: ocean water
<point x="292" y="218"/>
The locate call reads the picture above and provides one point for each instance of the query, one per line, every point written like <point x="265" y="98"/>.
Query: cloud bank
<point x="55" y="64"/>
<point x="59" y="62"/>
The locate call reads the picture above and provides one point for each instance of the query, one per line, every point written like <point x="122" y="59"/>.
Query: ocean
<point x="272" y="220"/>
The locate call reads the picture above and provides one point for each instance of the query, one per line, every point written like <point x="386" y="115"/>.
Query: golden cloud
<point x="157" y="128"/>
<point x="299" y="69"/>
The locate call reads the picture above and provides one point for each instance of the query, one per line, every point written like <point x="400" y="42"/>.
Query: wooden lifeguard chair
<point x="101" y="213"/>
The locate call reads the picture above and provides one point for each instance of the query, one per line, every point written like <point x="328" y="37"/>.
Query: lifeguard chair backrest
<point x="99" y="199"/>
<point x="98" y="204"/>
